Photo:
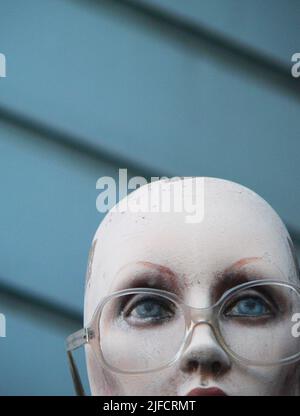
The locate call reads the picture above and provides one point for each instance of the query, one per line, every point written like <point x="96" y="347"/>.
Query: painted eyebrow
<point x="232" y="276"/>
<point x="152" y="275"/>
<point x="156" y="276"/>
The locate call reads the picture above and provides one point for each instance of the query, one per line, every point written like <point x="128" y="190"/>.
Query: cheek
<point x="103" y="382"/>
<point x="264" y="381"/>
<point x="162" y="383"/>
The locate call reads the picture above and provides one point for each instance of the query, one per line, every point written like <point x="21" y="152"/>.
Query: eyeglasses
<point x="144" y="330"/>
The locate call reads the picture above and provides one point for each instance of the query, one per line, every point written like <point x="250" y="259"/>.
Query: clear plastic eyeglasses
<point x="143" y="330"/>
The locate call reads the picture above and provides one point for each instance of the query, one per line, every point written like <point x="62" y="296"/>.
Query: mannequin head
<point x="238" y="231"/>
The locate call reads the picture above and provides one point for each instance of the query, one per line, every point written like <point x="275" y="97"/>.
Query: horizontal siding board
<point x="33" y="357"/>
<point x="48" y="215"/>
<point x="138" y="95"/>
<point x="111" y="81"/>
<point x="271" y="26"/>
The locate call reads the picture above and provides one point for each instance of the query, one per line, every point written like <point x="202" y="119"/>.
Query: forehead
<point x="237" y="226"/>
<point x="195" y="252"/>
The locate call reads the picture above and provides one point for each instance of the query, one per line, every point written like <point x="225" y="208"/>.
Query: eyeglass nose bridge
<point x="198" y="316"/>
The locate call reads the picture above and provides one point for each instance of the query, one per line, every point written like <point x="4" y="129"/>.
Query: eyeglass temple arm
<point x="74" y="341"/>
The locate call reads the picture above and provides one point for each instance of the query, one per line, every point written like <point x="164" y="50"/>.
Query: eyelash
<point x="136" y="303"/>
<point x="269" y="302"/>
<point x="265" y="297"/>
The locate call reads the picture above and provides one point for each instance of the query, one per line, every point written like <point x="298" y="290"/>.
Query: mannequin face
<point x="240" y="232"/>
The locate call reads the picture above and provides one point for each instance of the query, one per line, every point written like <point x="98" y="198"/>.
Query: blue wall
<point x="161" y="87"/>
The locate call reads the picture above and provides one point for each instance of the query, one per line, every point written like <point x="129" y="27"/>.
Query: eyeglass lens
<point x="142" y="331"/>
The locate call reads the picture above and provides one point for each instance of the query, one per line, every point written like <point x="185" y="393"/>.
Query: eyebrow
<point x="233" y="276"/>
<point x="155" y="276"/>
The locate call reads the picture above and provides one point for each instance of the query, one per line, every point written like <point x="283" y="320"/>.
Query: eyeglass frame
<point x="92" y="331"/>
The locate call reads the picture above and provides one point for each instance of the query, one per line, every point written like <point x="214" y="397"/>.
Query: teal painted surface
<point x="140" y="94"/>
<point x="270" y="27"/>
<point x="48" y="215"/>
<point x="33" y="359"/>
<point x="107" y="77"/>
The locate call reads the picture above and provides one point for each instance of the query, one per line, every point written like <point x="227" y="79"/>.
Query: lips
<point x="213" y="391"/>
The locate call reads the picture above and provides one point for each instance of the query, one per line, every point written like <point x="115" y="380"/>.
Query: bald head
<point x="156" y="226"/>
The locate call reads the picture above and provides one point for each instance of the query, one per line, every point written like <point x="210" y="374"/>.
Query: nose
<point x="203" y="354"/>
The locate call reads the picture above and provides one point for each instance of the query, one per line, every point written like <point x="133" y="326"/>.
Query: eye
<point x="250" y="306"/>
<point x="149" y="310"/>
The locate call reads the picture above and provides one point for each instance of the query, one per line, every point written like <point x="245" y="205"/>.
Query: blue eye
<point x="150" y="310"/>
<point x="250" y="306"/>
